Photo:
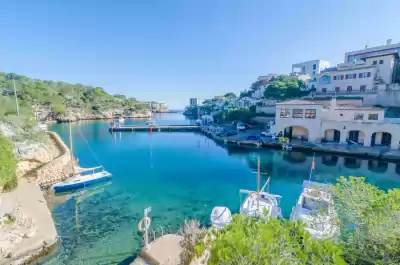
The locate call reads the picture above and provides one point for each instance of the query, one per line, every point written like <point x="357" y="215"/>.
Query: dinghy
<point x="220" y="217"/>
<point x="81" y="180"/>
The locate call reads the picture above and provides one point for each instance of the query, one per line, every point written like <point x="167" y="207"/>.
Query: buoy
<point x="150" y="129"/>
<point x="147" y="224"/>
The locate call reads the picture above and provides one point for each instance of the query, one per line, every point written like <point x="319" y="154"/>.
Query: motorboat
<point x="82" y="180"/>
<point x="262" y="204"/>
<point x="220" y="217"/>
<point x="121" y="120"/>
<point x="42" y="127"/>
<point x="151" y="123"/>
<point x="315" y="209"/>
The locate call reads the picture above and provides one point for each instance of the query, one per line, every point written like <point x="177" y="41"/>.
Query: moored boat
<point x="315" y="209"/>
<point x="262" y="204"/>
<point x="81" y="180"/>
<point x="220" y="217"/>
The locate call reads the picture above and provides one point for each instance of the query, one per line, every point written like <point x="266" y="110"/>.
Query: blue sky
<point x="172" y="50"/>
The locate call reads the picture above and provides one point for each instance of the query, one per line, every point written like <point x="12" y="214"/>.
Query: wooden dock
<point x="158" y="128"/>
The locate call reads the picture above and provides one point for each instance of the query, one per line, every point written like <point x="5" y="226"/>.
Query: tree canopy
<point x="237" y="114"/>
<point x="370" y="222"/>
<point x="258" y="241"/>
<point x="284" y="87"/>
<point x="230" y="95"/>
<point x="56" y="94"/>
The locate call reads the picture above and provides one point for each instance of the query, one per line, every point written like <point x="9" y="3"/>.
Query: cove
<point x="181" y="175"/>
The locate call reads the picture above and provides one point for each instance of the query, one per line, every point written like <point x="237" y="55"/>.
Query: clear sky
<point x="171" y="50"/>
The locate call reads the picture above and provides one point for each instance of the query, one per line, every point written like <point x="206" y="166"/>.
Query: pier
<point x="157" y="128"/>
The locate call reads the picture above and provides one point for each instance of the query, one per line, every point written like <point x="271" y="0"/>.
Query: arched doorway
<point x="356" y="137"/>
<point x="296" y="132"/>
<point x="377" y="166"/>
<point x="352" y="163"/>
<point x="332" y="135"/>
<point x="381" y="138"/>
<point x="330" y="160"/>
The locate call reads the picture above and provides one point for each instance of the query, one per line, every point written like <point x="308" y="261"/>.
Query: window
<point x="372" y="117"/>
<point x="324" y="90"/>
<point x="375" y="62"/>
<point x="314" y="66"/>
<point x="351" y="76"/>
<point x="334" y="77"/>
<point x="380" y="61"/>
<point x="285" y="113"/>
<point x="337" y="89"/>
<point x="297" y="113"/>
<point x="358" y="116"/>
<point x="362" y="88"/>
<point x="364" y="75"/>
<point x="313" y="72"/>
<point x="349" y="88"/>
<point x="311" y="113"/>
<point x="341" y="77"/>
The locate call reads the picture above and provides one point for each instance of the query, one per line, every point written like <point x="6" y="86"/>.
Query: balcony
<point x="344" y="93"/>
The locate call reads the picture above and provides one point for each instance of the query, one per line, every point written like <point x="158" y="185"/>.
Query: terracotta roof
<point x="298" y="102"/>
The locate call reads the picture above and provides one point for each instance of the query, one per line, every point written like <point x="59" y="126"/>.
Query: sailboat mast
<point x="258" y="183"/>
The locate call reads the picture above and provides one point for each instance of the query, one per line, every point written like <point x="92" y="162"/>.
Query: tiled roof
<point x="350" y="107"/>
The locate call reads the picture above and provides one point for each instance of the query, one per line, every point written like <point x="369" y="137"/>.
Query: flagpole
<point x="312" y="167"/>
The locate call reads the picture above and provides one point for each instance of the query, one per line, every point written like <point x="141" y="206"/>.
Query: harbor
<point x="188" y="173"/>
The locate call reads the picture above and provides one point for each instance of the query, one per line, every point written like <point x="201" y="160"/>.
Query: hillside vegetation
<point x="54" y="98"/>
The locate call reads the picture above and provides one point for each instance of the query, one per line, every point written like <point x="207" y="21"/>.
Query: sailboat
<point x="315" y="209"/>
<point x="261" y="203"/>
<point x="83" y="177"/>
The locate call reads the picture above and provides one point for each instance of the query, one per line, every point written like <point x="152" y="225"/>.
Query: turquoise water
<point x="180" y="175"/>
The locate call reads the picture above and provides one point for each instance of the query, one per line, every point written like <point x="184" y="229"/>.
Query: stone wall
<point x="58" y="169"/>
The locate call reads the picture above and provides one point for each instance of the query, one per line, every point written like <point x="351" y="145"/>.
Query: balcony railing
<point x="341" y="93"/>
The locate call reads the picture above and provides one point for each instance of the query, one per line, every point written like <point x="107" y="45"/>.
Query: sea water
<point x="180" y="175"/>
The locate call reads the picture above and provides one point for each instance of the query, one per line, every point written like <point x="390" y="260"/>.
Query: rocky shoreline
<point x="27" y="230"/>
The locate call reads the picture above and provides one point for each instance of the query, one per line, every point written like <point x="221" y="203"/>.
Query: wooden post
<point x="146" y="235"/>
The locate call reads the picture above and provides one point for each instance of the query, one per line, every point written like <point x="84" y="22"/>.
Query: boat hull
<point x="79" y="185"/>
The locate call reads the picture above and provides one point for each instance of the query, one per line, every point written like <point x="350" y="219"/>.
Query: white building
<point x="194" y="101"/>
<point x="373" y="73"/>
<point x="310" y="68"/>
<point x="317" y="122"/>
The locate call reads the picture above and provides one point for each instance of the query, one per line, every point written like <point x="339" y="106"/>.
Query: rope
<point x="91" y="150"/>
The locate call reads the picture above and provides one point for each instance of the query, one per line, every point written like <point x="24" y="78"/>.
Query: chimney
<point x="388" y="41"/>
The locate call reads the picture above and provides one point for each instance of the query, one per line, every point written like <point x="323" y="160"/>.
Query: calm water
<point x="180" y="175"/>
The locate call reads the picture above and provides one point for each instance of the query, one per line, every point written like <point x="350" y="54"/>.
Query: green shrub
<point x="370" y="222"/>
<point x="256" y="241"/>
<point x="8" y="164"/>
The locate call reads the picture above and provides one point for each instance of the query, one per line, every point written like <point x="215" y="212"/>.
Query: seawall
<point x="59" y="168"/>
<point x="33" y="233"/>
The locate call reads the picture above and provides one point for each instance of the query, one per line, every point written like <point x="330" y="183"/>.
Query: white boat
<point x="121" y="120"/>
<point x="220" y="217"/>
<point x="81" y="180"/>
<point x="315" y="209"/>
<point x="42" y="126"/>
<point x="151" y="123"/>
<point x="261" y="204"/>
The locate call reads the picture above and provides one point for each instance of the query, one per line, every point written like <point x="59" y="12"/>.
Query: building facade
<point x="194" y="102"/>
<point x="342" y="124"/>
<point x="373" y="73"/>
